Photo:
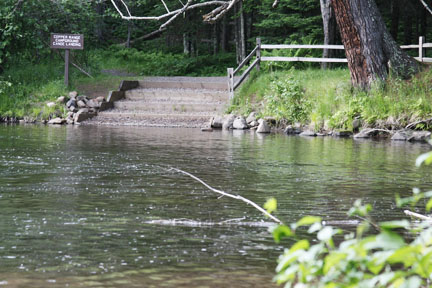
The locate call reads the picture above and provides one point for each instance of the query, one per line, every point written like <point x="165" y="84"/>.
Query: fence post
<point x="421" y="49"/>
<point x="231" y="83"/>
<point x="258" y="54"/>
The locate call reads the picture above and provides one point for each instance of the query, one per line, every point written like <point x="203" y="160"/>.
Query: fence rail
<point x="234" y="83"/>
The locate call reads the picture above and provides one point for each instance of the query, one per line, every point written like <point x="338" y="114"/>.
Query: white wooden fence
<point x="234" y="82"/>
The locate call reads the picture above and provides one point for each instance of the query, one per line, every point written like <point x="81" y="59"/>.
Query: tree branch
<point x="426" y="6"/>
<point x="417" y="215"/>
<point x="238" y="197"/>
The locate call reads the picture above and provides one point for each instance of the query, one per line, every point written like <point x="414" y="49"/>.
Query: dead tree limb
<point x="426" y="6"/>
<point x="417" y="215"/>
<point x="414" y="124"/>
<point x="238" y="197"/>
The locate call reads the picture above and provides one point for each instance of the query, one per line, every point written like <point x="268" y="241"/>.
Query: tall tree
<point x="371" y="51"/>
<point x="329" y="28"/>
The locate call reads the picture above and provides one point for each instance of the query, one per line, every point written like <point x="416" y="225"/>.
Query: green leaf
<point x="302" y="244"/>
<point x="281" y="231"/>
<point x="326" y="234"/>
<point x="375" y="267"/>
<point x="271" y="205"/>
<point x="429" y="205"/>
<point x="332" y="260"/>
<point x="395" y="224"/>
<point x="307" y="220"/>
<point x="386" y="240"/>
<point x="424" y="158"/>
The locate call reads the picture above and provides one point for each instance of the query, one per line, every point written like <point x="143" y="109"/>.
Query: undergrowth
<point x="331" y="102"/>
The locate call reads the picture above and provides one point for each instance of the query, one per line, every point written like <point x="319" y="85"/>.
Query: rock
<point x="206" y="129"/>
<point x="81" y="104"/>
<point x="253" y="123"/>
<point x="217" y="122"/>
<point x="228" y="122"/>
<point x="420" y="136"/>
<point x="69" y="121"/>
<point x="82" y="98"/>
<point x="356" y="124"/>
<point x="402" y="135"/>
<point x="57" y="121"/>
<point x="69" y="115"/>
<point x="263" y="127"/>
<point x="251" y="118"/>
<point x="240" y="123"/>
<point x="292" y="130"/>
<point x="93" y="104"/>
<point x="51" y="104"/>
<point x="342" y="133"/>
<point x="61" y="99"/>
<point x="100" y="99"/>
<point x="71" y="102"/>
<point x="72" y="108"/>
<point x="365" y="133"/>
<point x="82" y="115"/>
<point x="370" y="132"/>
<point x="270" y="120"/>
<point x="308" y="133"/>
<point x="73" y="94"/>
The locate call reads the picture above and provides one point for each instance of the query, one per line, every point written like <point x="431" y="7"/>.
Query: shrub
<point x="398" y="255"/>
<point x="286" y="100"/>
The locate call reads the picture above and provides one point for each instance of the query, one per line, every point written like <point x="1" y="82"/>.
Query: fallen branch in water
<point x="238" y="197"/>
<point x="414" y="124"/>
<point x="417" y="215"/>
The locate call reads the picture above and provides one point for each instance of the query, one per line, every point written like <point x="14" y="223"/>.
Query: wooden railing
<point x="234" y="82"/>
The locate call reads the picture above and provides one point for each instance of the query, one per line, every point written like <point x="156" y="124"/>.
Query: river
<point x="77" y="202"/>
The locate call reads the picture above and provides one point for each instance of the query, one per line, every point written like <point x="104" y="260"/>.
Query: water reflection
<point x="75" y="202"/>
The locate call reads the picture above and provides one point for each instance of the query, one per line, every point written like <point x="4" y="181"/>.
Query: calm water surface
<point x="75" y="202"/>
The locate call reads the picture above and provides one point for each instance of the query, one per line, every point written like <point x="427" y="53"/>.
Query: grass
<point x="333" y="104"/>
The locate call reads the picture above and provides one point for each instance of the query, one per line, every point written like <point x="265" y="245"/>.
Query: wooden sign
<point x="67" y="41"/>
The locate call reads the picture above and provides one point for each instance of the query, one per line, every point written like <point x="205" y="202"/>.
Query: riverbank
<point x="324" y="101"/>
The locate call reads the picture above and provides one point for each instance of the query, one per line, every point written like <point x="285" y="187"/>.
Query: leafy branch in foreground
<point x="399" y="255"/>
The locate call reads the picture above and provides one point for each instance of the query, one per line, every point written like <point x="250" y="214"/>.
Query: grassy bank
<point x="325" y="99"/>
<point x="25" y="87"/>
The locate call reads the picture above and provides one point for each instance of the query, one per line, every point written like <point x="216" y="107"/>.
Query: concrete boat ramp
<point x="168" y="102"/>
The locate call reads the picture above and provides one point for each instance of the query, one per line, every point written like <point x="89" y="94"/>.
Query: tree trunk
<point x="371" y="51"/>
<point x="129" y="35"/>
<point x="240" y="35"/>
<point x="224" y="44"/>
<point x="329" y="27"/>
<point x="408" y="28"/>
<point x="186" y="44"/>
<point x="394" y="28"/>
<point x="216" y="39"/>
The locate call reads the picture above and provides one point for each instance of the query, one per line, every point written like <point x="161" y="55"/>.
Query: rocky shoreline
<point x="269" y="124"/>
<point x="80" y="108"/>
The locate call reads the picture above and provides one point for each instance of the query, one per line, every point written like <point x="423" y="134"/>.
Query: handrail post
<point x="231" y="82"/>
<point x="421" y="49"/>
<point x="258" y="54"/>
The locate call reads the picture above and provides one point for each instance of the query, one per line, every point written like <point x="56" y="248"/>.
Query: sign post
<point x="67" y="42"/>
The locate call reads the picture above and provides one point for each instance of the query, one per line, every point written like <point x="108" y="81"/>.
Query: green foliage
<point x="297" y="20"/>
<point x="334" y="104"/>
<point x="286" y="100"/>
<point x="398" y="254"/>
<point x="163" y="64"/>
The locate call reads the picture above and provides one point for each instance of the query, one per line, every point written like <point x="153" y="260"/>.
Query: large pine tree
<point x="370" y="49"/>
